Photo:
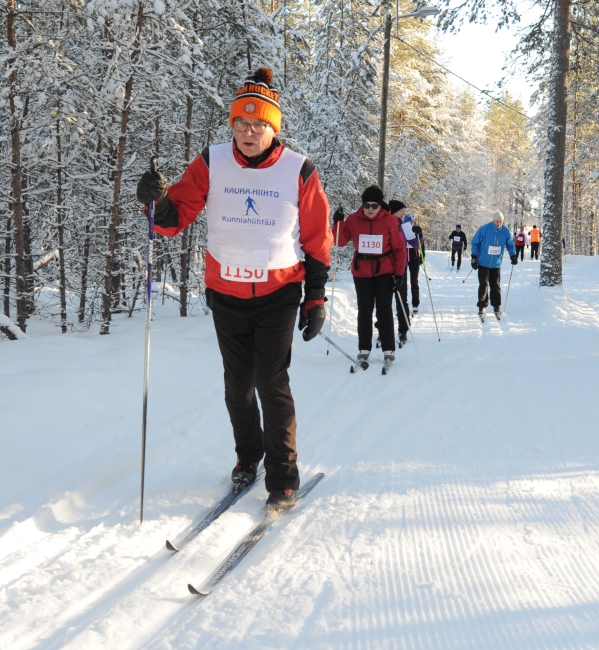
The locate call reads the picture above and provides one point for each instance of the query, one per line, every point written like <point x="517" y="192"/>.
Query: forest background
<point x="91" y="90"/>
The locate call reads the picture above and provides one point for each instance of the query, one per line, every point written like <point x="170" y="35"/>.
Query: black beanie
<point x="395" y="206"/>
<point x="372" y="193"/>
<point x="458" y="225"/>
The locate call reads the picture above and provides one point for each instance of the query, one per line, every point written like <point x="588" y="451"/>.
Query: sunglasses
<point x="370" y="206"/>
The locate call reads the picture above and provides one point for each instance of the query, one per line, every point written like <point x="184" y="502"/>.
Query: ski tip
<point x="196" y="592"/>
<point x="171" y="547"/>
<point x="352" y="370"/>
<point x="384" y="371"/>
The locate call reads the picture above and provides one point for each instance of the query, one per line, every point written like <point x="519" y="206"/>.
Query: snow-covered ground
<point x="460" y="507"/>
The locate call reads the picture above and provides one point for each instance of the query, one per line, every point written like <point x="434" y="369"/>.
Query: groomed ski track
<point x="460" y="508"/>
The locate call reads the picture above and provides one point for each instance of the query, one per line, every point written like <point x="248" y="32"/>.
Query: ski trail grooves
<point x="460" y="509"/>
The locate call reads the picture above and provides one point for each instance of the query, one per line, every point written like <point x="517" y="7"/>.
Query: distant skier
<point x="535" y="241"/>
<point x="488" y="245"/>
<point x="415" y="242"/>
<point x="459" y="243"/>
<point x="521" y="240"/>
<point x="398" y="210"/>
<point x="254" y="274"/>
<point x="378" y="267"/>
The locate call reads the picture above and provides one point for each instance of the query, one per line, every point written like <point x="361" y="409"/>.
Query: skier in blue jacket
<point x="487" y="248"/>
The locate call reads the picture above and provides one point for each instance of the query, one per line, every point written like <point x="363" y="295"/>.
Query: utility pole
<point x="423" y="12"/>
<point x="384" y="100"/>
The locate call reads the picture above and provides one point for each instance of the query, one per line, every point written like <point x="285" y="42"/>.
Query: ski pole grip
<point x="154" y="164"/>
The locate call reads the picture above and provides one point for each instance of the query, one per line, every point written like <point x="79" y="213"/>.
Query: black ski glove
<point x="397" y="282"/>
<point x="338" y="216"/>
<point x="474" y="261"/>
<point x="312" y="317"/>
<point x="514" y="259"/>
<point x="417" y="230"/>
<point x="151" y="187"/>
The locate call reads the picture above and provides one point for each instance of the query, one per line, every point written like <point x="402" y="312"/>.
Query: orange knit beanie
<point x="257" y="99"/>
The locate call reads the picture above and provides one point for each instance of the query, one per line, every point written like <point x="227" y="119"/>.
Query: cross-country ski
<point x="251" y="539"/>
<point x="230" y="499"/>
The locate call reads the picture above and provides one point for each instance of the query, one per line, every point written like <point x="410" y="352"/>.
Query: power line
<point x="484" y="92"/>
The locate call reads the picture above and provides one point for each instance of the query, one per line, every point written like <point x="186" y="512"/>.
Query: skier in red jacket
<point x="265" y="208"/>
<point x="378" y="267"/>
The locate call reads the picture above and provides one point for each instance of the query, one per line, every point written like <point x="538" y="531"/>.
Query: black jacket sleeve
<point x="317" y="275"/>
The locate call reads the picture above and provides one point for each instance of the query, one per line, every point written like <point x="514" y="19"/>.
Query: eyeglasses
<point x="255" y="127"/>
<point x="370" y="206"/>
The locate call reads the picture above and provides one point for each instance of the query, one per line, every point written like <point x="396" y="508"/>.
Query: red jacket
<point x="189" y="196"/>
<point x="392" y="256"/>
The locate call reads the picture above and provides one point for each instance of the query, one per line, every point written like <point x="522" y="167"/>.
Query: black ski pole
<point x="361" y="364"/>
<point x="334" y="278"/>
<point x="153" y="168"/>
<point x="430" y="295"/>
<point x="507" y="295"/>
<point x="464" y="280"/>
<point x="407" y="321"/>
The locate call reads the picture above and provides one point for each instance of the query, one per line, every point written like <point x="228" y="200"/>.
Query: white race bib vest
<point x="253" y="215"/>
<point x="494" y="250"/>
<point x="370" y="244"/>
<point x="457" y="239"/>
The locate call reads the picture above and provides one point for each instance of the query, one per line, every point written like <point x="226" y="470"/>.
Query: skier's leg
<point x="236" y="343"/>
<point x="483" y="287"/>
<point x="453" y="252"/>
<point x="274" y="322"/>
<point x="495" y="287"/>
<point x="459" y="258"/>
<point x="383" y="286"/>
<point x="414" y="270"/>
<point x="402" y="325"/>
<point x="365" y="295"/>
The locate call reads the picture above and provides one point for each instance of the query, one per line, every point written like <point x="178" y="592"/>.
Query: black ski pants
<point x="489" y="278"/>
<point x="378" y="291"/>
<point x="414" y="266"/>
<point x="534" y="250"/>
<point x="520" y="252"/>
<point x="453" y="254"/>
<point x="255" y="336"/>
<point x="402" y="324"/>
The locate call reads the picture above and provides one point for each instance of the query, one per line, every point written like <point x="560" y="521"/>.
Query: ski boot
<point x="363" y="355"/>
<point x="280" y="499"/>
<point x="244" y="474"/>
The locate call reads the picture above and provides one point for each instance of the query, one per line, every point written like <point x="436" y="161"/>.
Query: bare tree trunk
<point x="60" y="226"/>
<point x="116" y="196"/>
<point x="87" y="246"/>
<point x="551" y="257"/>
<point x="84" y="272"/>
<point x="7" y="265"/>
<point x="28" y="262"/>
<point x="16" y="173"/>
